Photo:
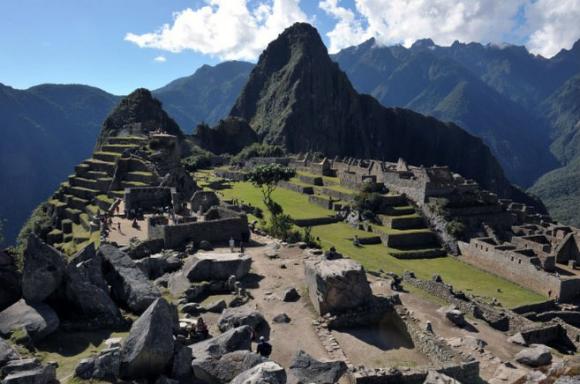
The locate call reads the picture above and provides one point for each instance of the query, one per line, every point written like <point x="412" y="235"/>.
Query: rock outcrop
<point x="87" y="289"/>
<point x="128" y="284"/>
<point x="336" y="285"/>
<point x="230" y="135"/>
<point x="268" y="372"/>
<point x="208" y="353"/>
<point x="228" y="366"/>
<point x="43" y="270"/>
<point x="7" y="353"/>
<point x="150" y="345"/>
<point x="236" y="317"/>
<point x="138" y="114"/>
<point x="536" y="356"/>
<point x="38" y="319"/>
<point x="298" y="97"/>
<point x="216" y="266"/>
<point x="309" y="370"/>
<point x="29" y="371"/>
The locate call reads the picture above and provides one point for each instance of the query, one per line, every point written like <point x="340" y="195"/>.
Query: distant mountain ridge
<point x="299" y="98"/>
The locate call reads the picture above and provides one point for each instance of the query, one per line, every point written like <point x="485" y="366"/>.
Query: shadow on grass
<point x="72" y="343"/>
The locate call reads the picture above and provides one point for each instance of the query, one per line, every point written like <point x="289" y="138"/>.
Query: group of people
<point x="232" y="244"/>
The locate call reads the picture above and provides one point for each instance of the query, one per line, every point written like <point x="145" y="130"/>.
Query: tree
<point x="266" y="177"/>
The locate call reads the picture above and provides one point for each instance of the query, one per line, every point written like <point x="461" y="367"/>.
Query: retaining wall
<point x="221" y="230"/>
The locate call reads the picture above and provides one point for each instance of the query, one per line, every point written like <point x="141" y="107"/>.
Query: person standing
<point x="232" y="244"/>
<point x="264" y="348"/>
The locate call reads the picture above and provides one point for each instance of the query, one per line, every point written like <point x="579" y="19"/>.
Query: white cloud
<point x="229" y="29"/>
<point x="160" y="59"/>
<point x="405" y="21"/>
<point x="553" y="25"/>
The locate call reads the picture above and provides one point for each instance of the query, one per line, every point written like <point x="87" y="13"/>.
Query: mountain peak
<point x="136" y="115"/>
<point x="423" y="43"/>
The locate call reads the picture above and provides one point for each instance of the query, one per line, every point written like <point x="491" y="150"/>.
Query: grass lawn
<point x="461" y="275"/>
<point x="295" y="204"/>
<point x="375" y="257"/>
<point x="68" y="348"/>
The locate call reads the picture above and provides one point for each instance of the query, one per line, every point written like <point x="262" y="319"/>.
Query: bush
<point x="259" y="150"/>
<point x="368" y="201"/>
<point x="455" y="228"/>
<point x="280" y="226"/>
<point x="199" y="159"/>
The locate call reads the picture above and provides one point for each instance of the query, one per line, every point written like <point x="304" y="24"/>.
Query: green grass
<point x="375" y="257"/>
<point x="461" y="275"/>
<point x="295" y="204"/>
<point x="68" y="348"/>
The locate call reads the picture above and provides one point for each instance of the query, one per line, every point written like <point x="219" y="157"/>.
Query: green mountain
<point x="206" y="96"/>
<point x="299" y="98"/>
<point x="45" y="131"/>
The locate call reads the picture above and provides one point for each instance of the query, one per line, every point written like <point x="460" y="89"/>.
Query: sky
<point x="120" y="45"/>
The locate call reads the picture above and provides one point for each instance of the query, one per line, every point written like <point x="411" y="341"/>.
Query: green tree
<point x="266" y="178"/>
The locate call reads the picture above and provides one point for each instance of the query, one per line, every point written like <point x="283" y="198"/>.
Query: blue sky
<point x="113" y="44"/>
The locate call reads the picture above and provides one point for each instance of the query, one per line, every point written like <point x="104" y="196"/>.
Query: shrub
<point x="199" y="159"/>
<point x="259" y="150"/>
<point x="455" y="228"/>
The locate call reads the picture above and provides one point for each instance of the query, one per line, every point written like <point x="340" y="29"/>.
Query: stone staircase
<point x="88" y="192"/>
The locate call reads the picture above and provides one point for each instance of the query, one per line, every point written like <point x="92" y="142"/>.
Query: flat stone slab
<point x="216" y="266"/>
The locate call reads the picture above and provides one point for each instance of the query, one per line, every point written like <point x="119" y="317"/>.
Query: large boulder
<point x="226" y="367"/>
<point x="236" y="317"/>
<point x="128" y="283"/>
<point x="216" y="266"/>
<point x="455" y="316"/>
<point x="7" y="353"/>
<point x="105" y="366"/>
<point x="233" y="340"/>
<point x="203" y="200"/>
<point x="150" y="345"/>
<point x="159" y="264"/>
<point x="43" y="270"/>
<point x="309" y="370"/>
<point x="267" y="372"/>
<point x="87" y="290"/>
<point x="181" y="366"/>
<point x="39" y="320"/>
<point x="336" y="286"/>
<point x="536" y="356"/>
<point x="208" y="354"/>
<point x="29" y="371"/>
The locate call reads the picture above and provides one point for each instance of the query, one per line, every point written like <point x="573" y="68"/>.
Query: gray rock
<point x="159" y="264"/>
<point x="216" y="266"/>
<point x="165" y="380"/>
<point x="39" y="320"/>
<point x="203" y="200"/>
<point x="181" y="367"/>
<point x="336" y="285"/>
<point x="235" y="317"/>
<point x="233" y="340"/>
<point x="226" y="367"/>
<point x="128" y="284"/>
<point x="536" y="356"/>
<point x="108" y="364"/>
<point x="84" y="369"/>
<point x="291" y="294"/>
<point x="267" y="372"/>
<point x="87" y="290"/>
<point x="456" y="317"/>
<point x="309" y="370"/>
<point x="149" y="346"/>
<point x="192" y="309"/>
<point x="216" y="307"/>
<point x="43" y="270"/>
<point x="7" y="353"/>
<point x="29" y="371"/>
<point x="434" y="377"/>
<point x="281" y="318"/>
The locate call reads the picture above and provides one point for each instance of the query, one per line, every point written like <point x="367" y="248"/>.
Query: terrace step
<point x="117" y="148"/>
<point x="72" y="214"/>
<point x="116" y="194"/>
<point x="77" y="203"/>
<point x="103" y="166"/>
<point x="143" y="177"/>
<point x="418" y="253"/>
<point x="82" y="182"/>
<point x="83" y="193"/>
<point x="126" y="140"/>
<point x="129" y="184"/>
<point x="103" y="202"/>
<point x="96" y="174"/>
<point x="110" y="157"/>
<point x="82" y="168"/>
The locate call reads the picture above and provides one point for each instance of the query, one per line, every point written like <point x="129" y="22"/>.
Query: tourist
<point x="201" y="330"/>
<point x="264" y="348"/>
<point x="232" y="244"/>
<point x="356" y="241"/>
<point x="231" y="283"/>
<point x="119" y="226"/>
<point x="242" y="248"/>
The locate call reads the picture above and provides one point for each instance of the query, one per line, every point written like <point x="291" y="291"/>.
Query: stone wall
<point x="149" y="198"/>
<point x="311" y="222"/>
<point x="410" y="240"/>
<point x="296" y="187"/>
<point x="314" y="180"/>
<point x="321" y="201"/>
<point x="519" y="269"/>
<point x="348" y="197"/>
<point x="214" y="231"/>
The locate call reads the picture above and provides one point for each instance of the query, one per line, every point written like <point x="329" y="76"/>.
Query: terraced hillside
<point x="401" y="220"/>
<point x="92" y="190"/>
